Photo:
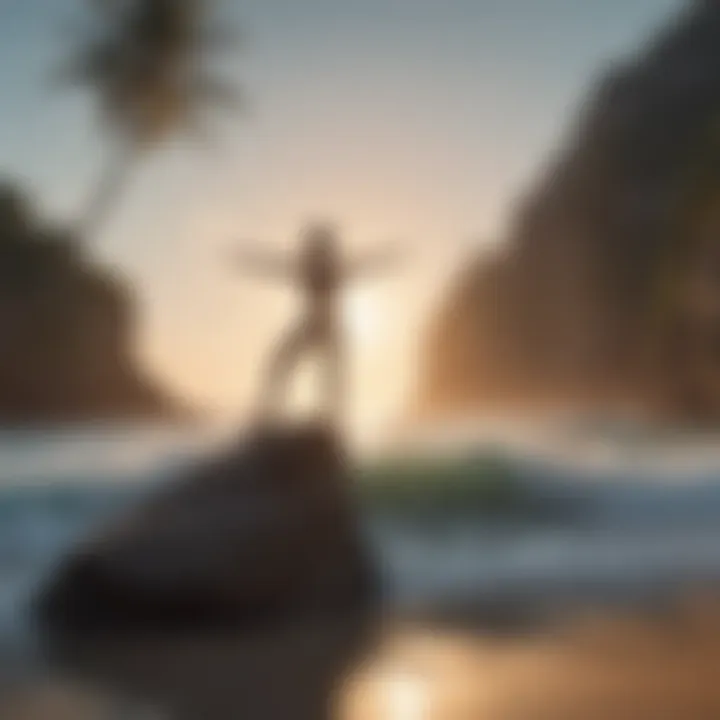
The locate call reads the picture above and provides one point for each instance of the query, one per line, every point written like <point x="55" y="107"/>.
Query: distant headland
<point x="606" y="291"/>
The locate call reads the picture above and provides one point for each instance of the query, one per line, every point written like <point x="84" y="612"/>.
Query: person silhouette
<point x="320" y="273"/>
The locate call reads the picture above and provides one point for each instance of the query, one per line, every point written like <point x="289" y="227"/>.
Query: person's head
<point x="320" y="239"/>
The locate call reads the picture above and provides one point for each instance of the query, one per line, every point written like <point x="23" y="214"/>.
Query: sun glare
<point x="360" y="317"/>
<point x="405" y="698"/>
<point x="386" y="693"/>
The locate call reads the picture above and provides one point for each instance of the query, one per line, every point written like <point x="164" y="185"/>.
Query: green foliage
<point x="147" y="62"/>
<point x="700" y="188"/>
<point x="13" y="214"/>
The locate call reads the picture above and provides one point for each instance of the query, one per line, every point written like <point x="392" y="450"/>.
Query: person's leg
<point x="334" y="375"/>
<point x="285" y="357"/>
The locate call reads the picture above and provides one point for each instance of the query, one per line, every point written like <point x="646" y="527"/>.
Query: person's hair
<point x="320" y="233"/>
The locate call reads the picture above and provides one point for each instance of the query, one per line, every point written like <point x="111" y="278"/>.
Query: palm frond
<point x="147" y="61"/>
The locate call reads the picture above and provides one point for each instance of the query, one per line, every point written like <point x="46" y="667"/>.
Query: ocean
<point x="651" y="516"/>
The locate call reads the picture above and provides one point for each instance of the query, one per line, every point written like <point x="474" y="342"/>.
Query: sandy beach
<point x="605" y="667"/>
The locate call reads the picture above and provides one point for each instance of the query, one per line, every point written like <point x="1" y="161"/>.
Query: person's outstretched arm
<point x="254" y="260"/>
<point x="376" y="262"/>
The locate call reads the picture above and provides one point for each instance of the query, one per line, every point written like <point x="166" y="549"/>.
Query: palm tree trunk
<point x="108" y="190"/>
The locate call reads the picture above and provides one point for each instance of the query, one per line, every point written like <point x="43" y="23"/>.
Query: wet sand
<point x="599" y="667"/>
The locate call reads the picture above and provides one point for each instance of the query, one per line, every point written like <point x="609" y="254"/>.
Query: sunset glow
<point x="361" y="318"/>
<point x="431" y="136"/>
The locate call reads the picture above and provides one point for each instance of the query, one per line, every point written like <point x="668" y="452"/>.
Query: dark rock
<point x="265" y="532"/>
<point x="607" y="290"/>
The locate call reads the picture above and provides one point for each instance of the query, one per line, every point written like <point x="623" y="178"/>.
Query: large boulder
<point x="265" y="531"/>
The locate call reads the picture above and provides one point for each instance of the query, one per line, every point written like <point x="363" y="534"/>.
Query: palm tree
<point x="146" y="62"/>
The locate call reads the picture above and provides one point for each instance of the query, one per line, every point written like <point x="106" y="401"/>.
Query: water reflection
<point x="294" y="671"/>
<point x="595" y="667"/>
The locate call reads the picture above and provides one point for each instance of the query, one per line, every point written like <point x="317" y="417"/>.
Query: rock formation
<point x="66" y="330"/>
<point x="607" y="290"/>
<point x="264" y="532"/>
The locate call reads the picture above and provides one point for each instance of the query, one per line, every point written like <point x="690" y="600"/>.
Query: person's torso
<point x="320" y="276"/>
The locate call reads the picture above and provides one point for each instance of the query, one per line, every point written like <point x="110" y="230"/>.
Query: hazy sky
<point x="419" y="119"/>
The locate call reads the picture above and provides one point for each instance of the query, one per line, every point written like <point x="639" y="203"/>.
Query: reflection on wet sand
<point x="603" y="668"/>
<point x="286" y="672"/>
